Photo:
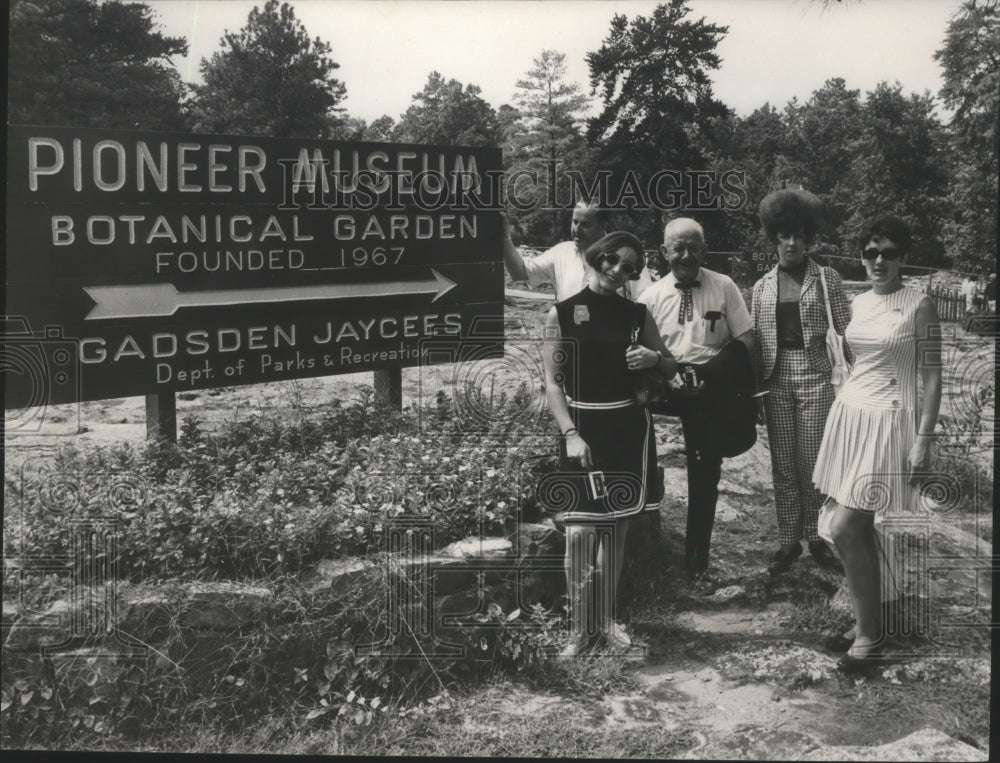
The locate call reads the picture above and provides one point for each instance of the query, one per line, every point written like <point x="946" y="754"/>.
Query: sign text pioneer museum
<point x="166" y="262"/>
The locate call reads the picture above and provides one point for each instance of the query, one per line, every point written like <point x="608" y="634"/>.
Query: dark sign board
<point x="141" y="263"/>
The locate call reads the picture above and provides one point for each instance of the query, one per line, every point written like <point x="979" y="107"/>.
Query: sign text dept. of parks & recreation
<point x="147" y="262"/>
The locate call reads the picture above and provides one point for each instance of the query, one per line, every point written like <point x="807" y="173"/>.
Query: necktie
<point x="686" y="313"/>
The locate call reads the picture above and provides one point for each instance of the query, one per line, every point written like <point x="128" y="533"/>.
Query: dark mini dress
<point x="625" y="480"/>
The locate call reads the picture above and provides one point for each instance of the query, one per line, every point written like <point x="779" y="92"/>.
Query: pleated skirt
<point x="862" y="460"/>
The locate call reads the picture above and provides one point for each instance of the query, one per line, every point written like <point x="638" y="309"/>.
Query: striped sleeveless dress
<point x="873" y="421"/>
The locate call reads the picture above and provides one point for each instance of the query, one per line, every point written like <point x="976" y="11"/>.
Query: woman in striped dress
<point x="878" y="434"/>
<point x="594" y="342"/>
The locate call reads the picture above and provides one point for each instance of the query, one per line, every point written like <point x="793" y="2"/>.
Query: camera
<point x="596" y="486"/>
<point x="688" y="375"/>
<point x="40" y="369"/>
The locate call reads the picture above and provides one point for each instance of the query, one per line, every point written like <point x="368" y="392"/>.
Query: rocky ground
<point x="734" y="663"/>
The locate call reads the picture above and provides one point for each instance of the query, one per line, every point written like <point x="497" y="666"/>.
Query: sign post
<point x="161" y="417"/>
<point x="389" y="387"/>
<point x="173" y="262"/>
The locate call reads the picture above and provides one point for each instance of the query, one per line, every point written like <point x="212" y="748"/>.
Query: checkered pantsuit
<point x="796" y="411"/>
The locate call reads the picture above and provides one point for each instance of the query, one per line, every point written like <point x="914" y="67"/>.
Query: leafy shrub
<point x="263" y="497"/>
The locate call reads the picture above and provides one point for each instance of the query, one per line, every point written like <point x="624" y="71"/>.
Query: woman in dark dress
<point x="595" y="342"/>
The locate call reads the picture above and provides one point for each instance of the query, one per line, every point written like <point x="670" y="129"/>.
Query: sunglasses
<point x="613" y="258"/>
<point x="872" y="253"/>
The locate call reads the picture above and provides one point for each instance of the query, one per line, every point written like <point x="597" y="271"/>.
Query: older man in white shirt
<point x="699" y="313"/>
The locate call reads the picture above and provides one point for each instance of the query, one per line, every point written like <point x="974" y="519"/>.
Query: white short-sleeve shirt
<point x="720" y="314"/>
<point x="562" y="266"/>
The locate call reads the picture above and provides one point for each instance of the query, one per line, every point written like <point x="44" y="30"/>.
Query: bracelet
<point x="568" y="432"/>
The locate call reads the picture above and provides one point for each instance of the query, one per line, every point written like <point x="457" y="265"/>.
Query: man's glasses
<point x="872" y="253"/>
<point x="613" y="258"/>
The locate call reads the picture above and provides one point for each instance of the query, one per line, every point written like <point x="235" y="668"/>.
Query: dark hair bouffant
<point x="611" y="241"/>
<point x="790" y="211"/>
<point x="889" y="227"/>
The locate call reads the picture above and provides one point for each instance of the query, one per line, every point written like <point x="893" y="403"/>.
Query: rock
<point x="479" y="548"/>
<point x="783" y="664"/>
<point x="728" y="486"/>
<point x="926" y="744"/>
<point x="145" y="614"/>
<point x="338" y="576"/>
<point x="48" y="628"/>
<point x="201" y="654"/>
<point x="727" y="594"/>
<point x="223" y="606"/>
<point x="751" y="742"/>
<point x="541" y="539"/>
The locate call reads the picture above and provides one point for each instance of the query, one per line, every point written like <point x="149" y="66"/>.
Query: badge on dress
<point x="581" y="313"/>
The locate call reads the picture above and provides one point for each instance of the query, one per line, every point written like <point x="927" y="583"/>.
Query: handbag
<point x="649" y="385"/>
<point x="840" y="368"/>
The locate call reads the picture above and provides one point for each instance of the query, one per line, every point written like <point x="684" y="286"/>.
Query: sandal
<point x="853" y="665"/>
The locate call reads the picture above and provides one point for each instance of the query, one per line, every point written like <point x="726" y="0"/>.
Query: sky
<point x="775" y="49"/>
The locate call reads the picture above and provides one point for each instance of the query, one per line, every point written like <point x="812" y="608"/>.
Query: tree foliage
<point x="87" y="64"/>
<point x="545" y="141"/>
<point x="970" y="59"/>
<point x="652" y="75"/>
<point x="549" y="106"/>
<point x="270" y="79"/>
<point x="355" y="128"/>
<point x="448" y="114"/>
<point x="899" y="167"/>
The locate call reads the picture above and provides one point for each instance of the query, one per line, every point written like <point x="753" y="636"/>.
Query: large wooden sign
<point x="144" y="263"/>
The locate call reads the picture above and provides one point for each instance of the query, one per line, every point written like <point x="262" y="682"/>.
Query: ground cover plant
<point x="263" y="497"/>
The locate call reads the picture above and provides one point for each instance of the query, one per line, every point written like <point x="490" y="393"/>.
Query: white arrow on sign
<point x="162" y="299"/>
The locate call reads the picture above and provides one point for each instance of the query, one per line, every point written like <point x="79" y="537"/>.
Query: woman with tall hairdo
<point x="595" y="344"/>
<point x="789" y="326"/>
<point x="878" y="434"/>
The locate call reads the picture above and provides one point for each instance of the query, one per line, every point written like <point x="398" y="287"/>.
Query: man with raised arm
<point x="563" y="265"/>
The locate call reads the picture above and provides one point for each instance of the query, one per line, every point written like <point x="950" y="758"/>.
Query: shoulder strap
<point x="638" y="318"/>
<point x="826" y="295"/>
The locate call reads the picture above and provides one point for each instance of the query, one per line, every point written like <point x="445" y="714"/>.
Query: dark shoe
<point x="783" y="559"/>
<point x="860" y="665"/>
<point x="696" y="564"/>
<point x="824" y="557"/>
<point x="838" y="643"/>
